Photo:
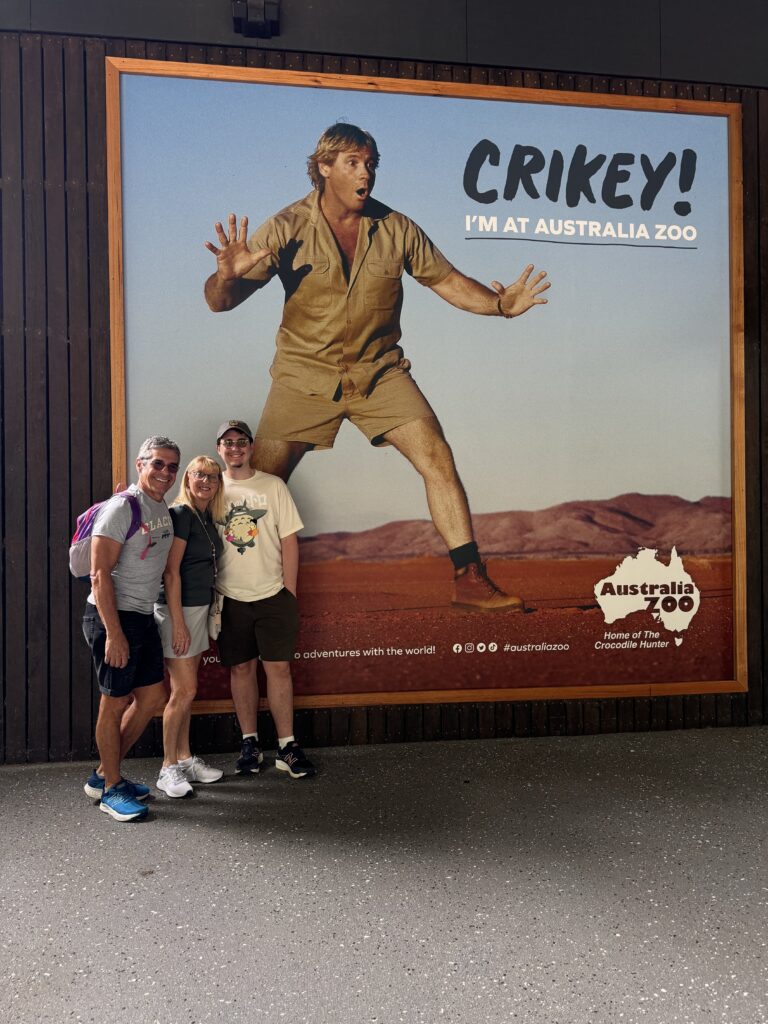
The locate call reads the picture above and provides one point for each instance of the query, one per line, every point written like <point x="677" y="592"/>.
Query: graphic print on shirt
<point x="240" y="529"/>
<point x="164" y="523"/>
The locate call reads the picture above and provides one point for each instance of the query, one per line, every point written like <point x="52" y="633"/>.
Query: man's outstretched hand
<point x="523" y="293"/>
<point x="233" y="257"/>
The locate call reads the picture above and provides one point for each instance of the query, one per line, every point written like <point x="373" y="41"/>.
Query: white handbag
<point x="214" y="615"/>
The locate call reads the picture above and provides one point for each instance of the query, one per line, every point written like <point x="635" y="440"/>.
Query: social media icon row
<point x="470" y="648"/>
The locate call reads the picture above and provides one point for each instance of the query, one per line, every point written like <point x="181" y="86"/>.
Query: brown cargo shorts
<point x="315" y="419"/>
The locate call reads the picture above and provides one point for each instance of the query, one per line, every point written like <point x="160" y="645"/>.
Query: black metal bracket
<point x="260" y="18"/>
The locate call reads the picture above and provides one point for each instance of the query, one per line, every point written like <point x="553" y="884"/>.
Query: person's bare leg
<point x="245" y="695"/>
<point x="134" y="716"/>
<point x="148" y="701"/>
<point x="178" y="710"/>
<point x="423" y="444"/>
<point x="111" y="713"/>
<point x="280" y="695"/>
<point x="279" y="458"/>
<point x="183" y="748"/>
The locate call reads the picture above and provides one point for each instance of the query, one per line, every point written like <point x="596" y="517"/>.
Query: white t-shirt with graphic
<point x="258" y="513"/>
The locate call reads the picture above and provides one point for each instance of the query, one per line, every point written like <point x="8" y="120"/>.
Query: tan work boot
<point x="473" y="589"/>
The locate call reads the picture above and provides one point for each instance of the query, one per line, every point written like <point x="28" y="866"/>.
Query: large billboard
<point x="598" y="437"/>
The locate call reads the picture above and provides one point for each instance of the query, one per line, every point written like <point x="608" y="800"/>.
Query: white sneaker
<point x="173" y="782"/>
<point x="198" y="771"/>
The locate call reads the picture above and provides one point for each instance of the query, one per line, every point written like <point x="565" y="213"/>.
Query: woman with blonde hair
<point x="182" y="617"/>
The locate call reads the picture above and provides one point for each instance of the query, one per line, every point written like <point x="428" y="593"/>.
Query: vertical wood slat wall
<point x="55" y="403"/>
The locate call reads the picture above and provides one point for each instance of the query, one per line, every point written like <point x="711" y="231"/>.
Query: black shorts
<point x="145" y="652"/>
<point x="265" y="629"/>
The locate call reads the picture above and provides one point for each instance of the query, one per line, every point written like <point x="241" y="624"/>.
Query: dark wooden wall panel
<point x="98" y="268"/>
<point x="35" y="438"/>
<point x="760" y="517"/>
<point x="752" y="385"/>
<point x="59" y="605"/>
<point x="14" y="406"/>
<point x="643" y="38"/>
<point x="56" y="411"/>
<point x="79" y="446"/>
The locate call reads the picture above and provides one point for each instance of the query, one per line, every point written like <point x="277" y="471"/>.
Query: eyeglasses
<point x="231" y="442"/>
<point x="158" y="464"/>
<point x="198" y="474"/>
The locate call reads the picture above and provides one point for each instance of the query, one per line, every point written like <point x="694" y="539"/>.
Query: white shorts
<point x="196" y="620"/>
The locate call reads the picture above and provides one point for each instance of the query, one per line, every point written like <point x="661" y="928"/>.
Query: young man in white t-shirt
<point x="257" y="575"/>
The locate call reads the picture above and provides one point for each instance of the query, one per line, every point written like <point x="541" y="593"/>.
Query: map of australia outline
<point x="643" y="583"/>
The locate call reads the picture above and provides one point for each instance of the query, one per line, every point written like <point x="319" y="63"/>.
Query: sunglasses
<point x="158" y="464"/>
<point x="198" y="474"/>
<point x="230" y="442"/>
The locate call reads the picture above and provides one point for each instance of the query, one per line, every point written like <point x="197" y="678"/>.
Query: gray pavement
<point x="607" y="879"/>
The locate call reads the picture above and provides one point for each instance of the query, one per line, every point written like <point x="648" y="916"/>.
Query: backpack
<point x="80" y="548"/>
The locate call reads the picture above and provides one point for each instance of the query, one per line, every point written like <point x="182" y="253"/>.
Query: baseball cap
<point x="234" y="425"/>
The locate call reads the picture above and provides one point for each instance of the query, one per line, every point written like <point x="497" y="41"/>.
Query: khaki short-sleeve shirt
<point x="331" y="326"/>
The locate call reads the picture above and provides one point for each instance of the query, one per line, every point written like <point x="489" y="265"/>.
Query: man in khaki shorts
<point x="340" y="255"/>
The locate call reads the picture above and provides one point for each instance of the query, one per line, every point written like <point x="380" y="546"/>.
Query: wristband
<point x="507" y="316"/>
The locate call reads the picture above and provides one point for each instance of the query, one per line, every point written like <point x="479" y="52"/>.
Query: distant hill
<point x="575" y="529"/>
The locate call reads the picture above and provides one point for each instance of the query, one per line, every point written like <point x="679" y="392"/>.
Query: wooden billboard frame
<point x="118" y="66"/>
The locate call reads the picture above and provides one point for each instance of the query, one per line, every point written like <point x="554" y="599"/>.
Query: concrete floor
<point x="562" y="880"/>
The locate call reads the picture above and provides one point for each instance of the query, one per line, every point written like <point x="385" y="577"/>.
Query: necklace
<point x="213" y="547"/>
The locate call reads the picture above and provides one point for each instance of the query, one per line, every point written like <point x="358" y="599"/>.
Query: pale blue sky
<point x="620" y="383"/>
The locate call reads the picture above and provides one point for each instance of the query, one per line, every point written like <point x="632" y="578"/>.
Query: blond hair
<point x="339" y="138"/>
<point x="184" y="497"/>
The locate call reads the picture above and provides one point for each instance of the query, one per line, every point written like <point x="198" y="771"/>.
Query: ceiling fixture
<point x="259" y="18"/>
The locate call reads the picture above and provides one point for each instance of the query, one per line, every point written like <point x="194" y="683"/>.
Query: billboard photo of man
<point x="602" y="435"/>
<point x="340" y="255"/>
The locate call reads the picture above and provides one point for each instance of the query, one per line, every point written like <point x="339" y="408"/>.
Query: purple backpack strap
<point x="133" y="501"/>
<point x="135" y="525"/>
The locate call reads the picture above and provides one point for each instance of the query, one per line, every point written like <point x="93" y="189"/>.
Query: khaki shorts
<point x="314" y="419"/>
<point x="196" y="621"/>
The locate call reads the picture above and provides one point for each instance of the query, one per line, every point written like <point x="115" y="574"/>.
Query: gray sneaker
<point x="173" y="782"/>
<point x="199" y="771"/>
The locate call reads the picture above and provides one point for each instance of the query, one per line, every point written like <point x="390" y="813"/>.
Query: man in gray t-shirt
<point x="119" y="623"/>
<point x="138" y="571"/>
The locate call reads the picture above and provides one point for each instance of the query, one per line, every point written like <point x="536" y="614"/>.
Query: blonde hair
<point x="184" y="497"/>
<point x="339" y="138"/>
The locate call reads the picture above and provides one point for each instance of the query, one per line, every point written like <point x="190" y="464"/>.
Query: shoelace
<point x="489" y="584"/>
<point x="122" y="795"/>
<point x="176" y="774"/>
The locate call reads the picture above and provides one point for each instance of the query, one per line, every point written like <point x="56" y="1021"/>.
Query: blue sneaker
<point x="121" y="804"/>
<point x="94" y="787"/>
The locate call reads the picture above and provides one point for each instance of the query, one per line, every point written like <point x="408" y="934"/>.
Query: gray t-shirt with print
<point x="139" y="570"/>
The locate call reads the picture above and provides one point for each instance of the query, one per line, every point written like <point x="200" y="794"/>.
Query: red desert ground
<point x="376" y="612"/>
